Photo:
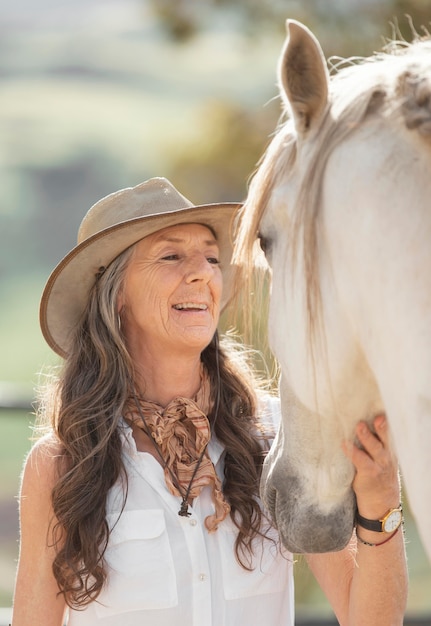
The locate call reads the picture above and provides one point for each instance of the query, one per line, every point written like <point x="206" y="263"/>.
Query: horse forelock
<point x="247" y="254"/>
<point x="279" y="154"/>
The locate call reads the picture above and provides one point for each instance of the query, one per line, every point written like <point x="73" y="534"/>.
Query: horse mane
<point x="394" y="83"/>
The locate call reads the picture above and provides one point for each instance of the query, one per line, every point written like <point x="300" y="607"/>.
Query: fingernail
<point x="380" y="421"/>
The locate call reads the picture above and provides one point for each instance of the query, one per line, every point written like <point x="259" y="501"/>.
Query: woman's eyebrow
<point x="174" y="239"/>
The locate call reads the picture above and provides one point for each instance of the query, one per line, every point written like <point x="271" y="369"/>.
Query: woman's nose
<point x="199" y="268"/>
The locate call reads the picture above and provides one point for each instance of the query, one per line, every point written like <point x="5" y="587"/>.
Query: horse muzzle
<point x="304" y="525"/>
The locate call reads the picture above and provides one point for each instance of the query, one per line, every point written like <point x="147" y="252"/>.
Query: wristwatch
<point x="388" y="524"/>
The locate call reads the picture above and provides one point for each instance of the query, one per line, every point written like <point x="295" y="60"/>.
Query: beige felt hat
<point x="112" y="225"/>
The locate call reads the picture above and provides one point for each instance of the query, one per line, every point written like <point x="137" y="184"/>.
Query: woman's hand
<point x="376" y="483"/>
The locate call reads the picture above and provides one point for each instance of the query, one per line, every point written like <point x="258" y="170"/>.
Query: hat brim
<point x="66" y="292"/>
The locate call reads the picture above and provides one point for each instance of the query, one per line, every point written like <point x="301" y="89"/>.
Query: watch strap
<point x="370" y="524"/>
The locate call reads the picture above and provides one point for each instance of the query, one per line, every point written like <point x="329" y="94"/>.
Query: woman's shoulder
<point x="40" y="465"/>
<point x="47" y="446"/>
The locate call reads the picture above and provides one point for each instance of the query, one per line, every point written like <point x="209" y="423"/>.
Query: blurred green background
<point x="100" y="94"/>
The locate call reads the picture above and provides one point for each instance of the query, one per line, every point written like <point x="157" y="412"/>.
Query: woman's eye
<point x="213" y="260"/>
<point x="170" y="257"/>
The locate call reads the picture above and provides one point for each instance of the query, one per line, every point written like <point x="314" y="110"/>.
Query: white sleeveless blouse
<point x="164" y="569"/>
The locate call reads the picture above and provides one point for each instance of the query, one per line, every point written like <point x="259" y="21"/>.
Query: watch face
<point x="392" y="521"/>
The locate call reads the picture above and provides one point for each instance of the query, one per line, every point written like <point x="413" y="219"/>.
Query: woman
<point x="141" y="504"/>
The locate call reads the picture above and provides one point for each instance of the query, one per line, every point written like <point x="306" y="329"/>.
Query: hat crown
<point x="155" y="196"/>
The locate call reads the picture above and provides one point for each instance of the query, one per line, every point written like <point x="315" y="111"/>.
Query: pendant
<point x="184" y="510"/>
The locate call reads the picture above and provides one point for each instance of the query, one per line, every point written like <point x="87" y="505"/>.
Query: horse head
<point x="340" y="203"/>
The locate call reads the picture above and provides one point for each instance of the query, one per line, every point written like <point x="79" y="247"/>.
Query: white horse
<point x="341" y="203"/>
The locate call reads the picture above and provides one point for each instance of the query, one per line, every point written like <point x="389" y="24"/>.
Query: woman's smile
<point x="190" y="306"/>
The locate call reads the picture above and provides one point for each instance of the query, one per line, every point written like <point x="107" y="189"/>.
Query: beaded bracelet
<point x="375" y="545"/>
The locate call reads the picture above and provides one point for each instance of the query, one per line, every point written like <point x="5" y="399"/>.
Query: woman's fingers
<point x="376" y="478"/>
<point x="374" y="443"/>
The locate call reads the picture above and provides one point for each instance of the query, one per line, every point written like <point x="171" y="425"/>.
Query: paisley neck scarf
<point x="181" y="433"/>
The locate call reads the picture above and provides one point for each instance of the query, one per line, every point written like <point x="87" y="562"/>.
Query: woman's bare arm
<point x="36" y="599"/>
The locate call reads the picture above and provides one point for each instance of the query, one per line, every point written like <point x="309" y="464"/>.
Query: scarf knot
<point x="181" y="433"/>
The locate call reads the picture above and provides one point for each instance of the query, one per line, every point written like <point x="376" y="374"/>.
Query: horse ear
<point x="303" y="76"/>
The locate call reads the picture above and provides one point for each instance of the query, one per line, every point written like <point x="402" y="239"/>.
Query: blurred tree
<point x="216" y="165"/>
<point x="344" y="27"/>
<point x="182" y="19"/>
<point x="176" y="18"/>
<point x="418" y="11"/>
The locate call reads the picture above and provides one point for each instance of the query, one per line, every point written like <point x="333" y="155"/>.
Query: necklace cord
<point x="184" y="496"/>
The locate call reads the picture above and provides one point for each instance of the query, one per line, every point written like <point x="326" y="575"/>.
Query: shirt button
<point x="202" y="577"/>
<point x="193" y="522"/>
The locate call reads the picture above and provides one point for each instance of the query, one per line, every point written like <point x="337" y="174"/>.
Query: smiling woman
<point x="141" y="502"/>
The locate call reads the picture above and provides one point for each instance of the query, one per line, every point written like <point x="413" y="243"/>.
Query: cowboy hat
<point x="111" y="225"/>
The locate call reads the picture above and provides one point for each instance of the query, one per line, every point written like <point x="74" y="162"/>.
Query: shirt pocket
<point x="140" y="566"/>
<point x="272" y="571"/>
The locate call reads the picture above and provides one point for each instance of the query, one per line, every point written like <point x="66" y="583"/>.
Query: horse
<point x="340" y="204"/>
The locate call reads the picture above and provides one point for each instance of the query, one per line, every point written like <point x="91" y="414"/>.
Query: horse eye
<point x="263" y="242"/>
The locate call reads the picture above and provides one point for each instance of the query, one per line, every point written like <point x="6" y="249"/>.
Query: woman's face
<point x="171" y="295"/>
